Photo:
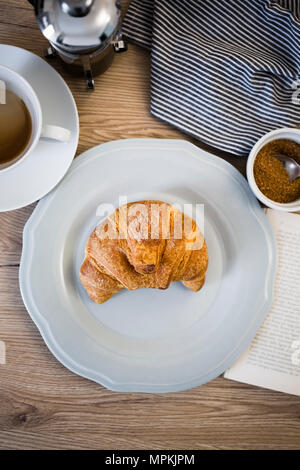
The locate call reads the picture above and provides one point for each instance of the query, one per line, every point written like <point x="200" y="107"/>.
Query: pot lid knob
<point x="78" y="25"/>
<point x="77" y="8"/>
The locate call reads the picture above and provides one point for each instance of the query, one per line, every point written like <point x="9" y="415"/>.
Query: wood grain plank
<point x="17" y="13"/>
<point x="23" y="4"/>
<point x="42" y="404"/>
<point x="11" y="229"/>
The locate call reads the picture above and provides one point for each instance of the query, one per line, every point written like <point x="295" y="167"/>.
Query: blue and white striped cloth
<point x="222" y="70"/>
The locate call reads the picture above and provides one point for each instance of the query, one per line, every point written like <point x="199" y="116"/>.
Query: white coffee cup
<point x="11" y="80"/>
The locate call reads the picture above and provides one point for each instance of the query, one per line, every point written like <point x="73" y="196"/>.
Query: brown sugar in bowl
<point x="267" y="176"/>
<point x="270" y="175"/>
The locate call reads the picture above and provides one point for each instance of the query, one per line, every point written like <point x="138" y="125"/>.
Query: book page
<point x="273" y="359"/>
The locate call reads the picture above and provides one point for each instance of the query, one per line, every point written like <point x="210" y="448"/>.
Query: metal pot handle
<point x="90" y="83"/>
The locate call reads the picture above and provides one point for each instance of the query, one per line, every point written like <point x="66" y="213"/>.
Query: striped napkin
<point x="223" y="71"/>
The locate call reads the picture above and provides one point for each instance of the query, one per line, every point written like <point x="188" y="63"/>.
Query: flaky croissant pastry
<point x="146" y="244"/>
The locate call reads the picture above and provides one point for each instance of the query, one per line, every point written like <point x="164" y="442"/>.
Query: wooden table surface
<point x="42" y="404"/>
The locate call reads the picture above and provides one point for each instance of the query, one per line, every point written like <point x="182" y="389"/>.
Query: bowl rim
<point x="269" y="137"/>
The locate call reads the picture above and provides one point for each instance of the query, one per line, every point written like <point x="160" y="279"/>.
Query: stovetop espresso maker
<point x="84" y="34"/>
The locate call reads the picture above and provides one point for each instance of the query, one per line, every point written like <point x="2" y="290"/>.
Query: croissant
<point x="146" y="244"/>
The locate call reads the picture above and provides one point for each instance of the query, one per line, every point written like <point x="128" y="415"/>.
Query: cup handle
<point x="56" y="133"/>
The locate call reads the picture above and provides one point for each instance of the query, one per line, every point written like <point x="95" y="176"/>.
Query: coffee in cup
<point x="15" y="127"/>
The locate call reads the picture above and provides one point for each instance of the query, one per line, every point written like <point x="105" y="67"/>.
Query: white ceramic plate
<point x="38" y="173"/>
<point x="148" y="340"/>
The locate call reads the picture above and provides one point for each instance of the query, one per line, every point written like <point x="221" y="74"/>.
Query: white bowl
<point x="284" y="133"/>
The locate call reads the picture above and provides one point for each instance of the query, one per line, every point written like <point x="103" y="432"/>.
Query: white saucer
<point x="149" y="340"/>
<point x="47" y="164"/>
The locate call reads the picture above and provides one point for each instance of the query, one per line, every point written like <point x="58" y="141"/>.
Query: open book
<point x="273" y="359"/>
